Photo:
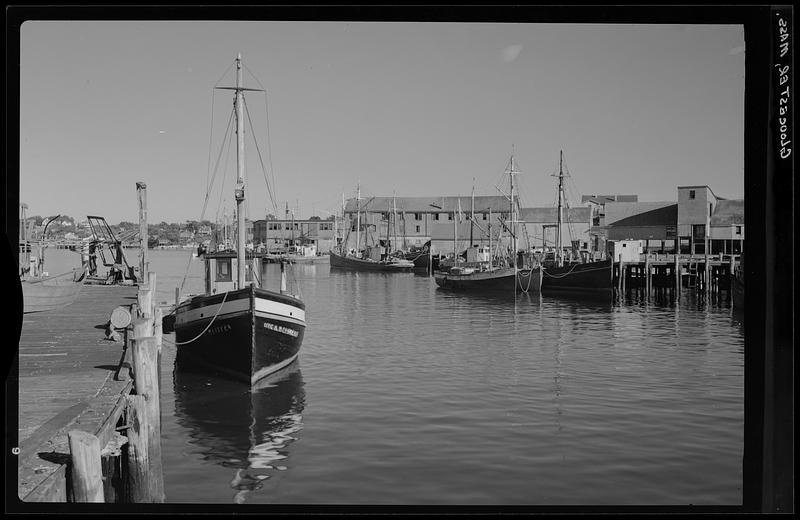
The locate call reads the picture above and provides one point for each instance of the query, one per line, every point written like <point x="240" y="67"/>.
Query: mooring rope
<point x="530" y="277"/>
<point x="204" y="330"/>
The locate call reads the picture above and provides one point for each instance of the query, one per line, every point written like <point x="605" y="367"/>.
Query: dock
<point x="77" y="379"/>
<point x="705" y="273"/>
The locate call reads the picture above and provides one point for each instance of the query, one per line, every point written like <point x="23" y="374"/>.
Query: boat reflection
<point x="247" y="428"/>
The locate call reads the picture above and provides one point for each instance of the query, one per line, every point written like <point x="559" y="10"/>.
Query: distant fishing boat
<point x="41" y="292"/>
<point x="577" y="276"/>
<point x="51" y="292"/>
<point x="370" y="258"/>
<point x="486" y="272"/>
<point x="237" y="327"/>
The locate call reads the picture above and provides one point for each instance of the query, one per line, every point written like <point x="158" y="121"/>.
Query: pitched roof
<point x="549" y="215"/>
<point x="497" y="203"/>
<point x="602" y="199"/>
<point x="648" y="212"/>
<point x="728" y="212"/>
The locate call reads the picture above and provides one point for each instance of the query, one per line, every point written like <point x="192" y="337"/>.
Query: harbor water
<point x="408" y="394"/>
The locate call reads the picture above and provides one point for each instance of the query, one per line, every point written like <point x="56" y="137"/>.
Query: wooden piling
<point x="142" y="483"/>
<point x="677" y="269"/>
<point x="145" y="371"/>
<point x="145" y="300"/>
<point x="87" y="470"/>
<point x="647" y="274"/>
<point x="158" y="332"/>
<point x="141" y="193"/>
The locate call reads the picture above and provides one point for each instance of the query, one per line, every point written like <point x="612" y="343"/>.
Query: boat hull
<point x="590" y="277"/>
<point x="297" y="259"/>
<point x="49" y="293"/>
<point x="358" y="264"/>
<point x="247" y="334"/>
<point x="498" y="280"/>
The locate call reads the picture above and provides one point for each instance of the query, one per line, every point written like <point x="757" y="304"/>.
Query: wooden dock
<point x="706" y="273"/>
<point x="74" y="381"/>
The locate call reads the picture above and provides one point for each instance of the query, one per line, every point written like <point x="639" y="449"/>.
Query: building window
<point x="417" y="229"/>
<point x="738" y="230"/>
<point x="485" y="216"/>
<point x="417" y="216"/>
<point x="691" y="194"/>
<point x="435" y="216"/>
<point x="449" y="216"/>
<point x="710" y="208"/>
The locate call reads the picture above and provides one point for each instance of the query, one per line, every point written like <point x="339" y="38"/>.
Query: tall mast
<point x="239" y="192"/>
<point x="560" y="206"/>
<point x="472" y="214"/>
<point x="358" y="218"/>
<point x="513" y="218"/>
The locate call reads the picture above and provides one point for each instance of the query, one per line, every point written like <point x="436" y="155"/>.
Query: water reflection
<point x="249" y="430"/>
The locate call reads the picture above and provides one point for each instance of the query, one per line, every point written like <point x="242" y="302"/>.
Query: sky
<point x="408" y="109"/>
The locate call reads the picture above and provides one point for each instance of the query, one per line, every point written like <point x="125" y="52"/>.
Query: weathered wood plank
<point x="65" y="366"/>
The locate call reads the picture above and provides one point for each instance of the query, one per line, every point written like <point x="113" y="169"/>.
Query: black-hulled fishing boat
<point x="558" y="275"/>
<point x="367" y="258"/>
<point x="237" y="326"/>
<point x="486" y="272"/>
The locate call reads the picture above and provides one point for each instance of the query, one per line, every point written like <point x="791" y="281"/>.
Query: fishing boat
<point x="371" y="257"/>
<point x="574" y="275"/>
<point x="484" y="271"/>
<point x="40" y="291"/>
<point x="237" y="326"/>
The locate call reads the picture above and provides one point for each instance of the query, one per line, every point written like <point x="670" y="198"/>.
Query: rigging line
<point x="208" y="192"/>
<point x="225" y="73"/>
<point x="207" y="327"/>
<point x="260" y="158"/>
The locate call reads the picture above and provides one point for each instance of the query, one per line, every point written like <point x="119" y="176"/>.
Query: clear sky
<point x="415" y="109"/>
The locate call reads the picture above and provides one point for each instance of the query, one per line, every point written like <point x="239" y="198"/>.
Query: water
<point x="407" y="394"/>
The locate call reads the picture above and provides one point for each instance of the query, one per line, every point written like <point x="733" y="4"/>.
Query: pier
<point x="706" y="273"/>
<point x="89" y="401"/>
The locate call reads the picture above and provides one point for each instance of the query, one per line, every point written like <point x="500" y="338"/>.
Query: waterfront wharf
<point x="708" y="273"/>
<point x="82" y="377"/>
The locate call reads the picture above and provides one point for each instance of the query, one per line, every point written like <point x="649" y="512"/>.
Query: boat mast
<point x="239" y="192"/>
<point x="513" y="219"/>
<point x="358" y="218"/>
<point x="559" y="261"/>
<point x="472" y="214"/>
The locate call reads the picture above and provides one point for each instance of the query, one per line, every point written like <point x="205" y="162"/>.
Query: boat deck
<point x="67" y="379"/>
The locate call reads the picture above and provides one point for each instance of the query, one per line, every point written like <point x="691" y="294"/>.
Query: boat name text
<point x="281" y="329"/>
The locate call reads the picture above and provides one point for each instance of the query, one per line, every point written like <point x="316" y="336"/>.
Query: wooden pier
<point x="89" y="411"/>
<point x="706" y="273"/>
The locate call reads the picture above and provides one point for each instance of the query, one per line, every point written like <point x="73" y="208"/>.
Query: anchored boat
<point x="486" y="272"/>
<point x="237" y="326"/>
<point x="370" y="258"/>
<point x="560" y="275"/>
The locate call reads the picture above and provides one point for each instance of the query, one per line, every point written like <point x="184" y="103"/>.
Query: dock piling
<point x="145" y="373"/>
<point x="87" y="470"/>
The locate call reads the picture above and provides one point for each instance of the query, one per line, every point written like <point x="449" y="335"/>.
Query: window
<point x="449" y="216"/>
<point x="738" y="230"/>
<point x="710" y="209"/>
<point x="224" y="270"/>
<point x="417" y="229"/>
<point x="435" y="216"/>
<point x="485" y="216"/>
<point x="417" y="216"/>
<point x="691" y="194"/>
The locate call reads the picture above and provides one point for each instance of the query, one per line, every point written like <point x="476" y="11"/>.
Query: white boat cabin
<point x="479" y="254"/>
<point x="221" y="269"/>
